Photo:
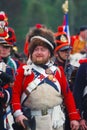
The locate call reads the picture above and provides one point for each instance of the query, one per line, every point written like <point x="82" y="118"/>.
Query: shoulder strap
<point x="42" y="75"/>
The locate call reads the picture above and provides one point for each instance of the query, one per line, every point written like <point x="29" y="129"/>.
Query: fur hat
<point x="26" y="44"/>
<point x="61" y="40"/>
<point x="38" y="34"/>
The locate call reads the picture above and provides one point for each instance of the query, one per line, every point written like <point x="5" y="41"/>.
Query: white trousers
<point x="45" y="123"/>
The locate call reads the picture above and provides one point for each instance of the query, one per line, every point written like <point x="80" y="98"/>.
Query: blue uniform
<point x="5" y="92"/>
<point x="78" y="91"/>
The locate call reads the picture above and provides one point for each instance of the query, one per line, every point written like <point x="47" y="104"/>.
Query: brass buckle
<point x="44" y="112"/>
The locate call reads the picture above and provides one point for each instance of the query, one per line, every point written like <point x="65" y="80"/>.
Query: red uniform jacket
<point x="22" y="82"/>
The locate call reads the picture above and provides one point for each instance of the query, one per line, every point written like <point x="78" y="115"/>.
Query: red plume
<point x="38" y="26"/>
<point x="60" y="28"/>
<point x="1" y="17"/>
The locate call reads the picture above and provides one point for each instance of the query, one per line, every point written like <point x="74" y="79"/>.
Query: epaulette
<point x="83" y="61"/>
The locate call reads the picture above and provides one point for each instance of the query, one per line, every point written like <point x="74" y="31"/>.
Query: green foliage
<point x="24" y="14"/>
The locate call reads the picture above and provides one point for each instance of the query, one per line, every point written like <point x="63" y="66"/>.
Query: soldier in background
<point x="62" y="52"/>
<point x="79" y="45"/>
<point x="62" y="59"/>
<point x="80" y="92"/>
<point x="6" y="83"/>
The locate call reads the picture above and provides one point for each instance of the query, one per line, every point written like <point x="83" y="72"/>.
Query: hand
<point x="83" y="125"/>
<point x="74" y="125"/>
<point x="20" y="119"/>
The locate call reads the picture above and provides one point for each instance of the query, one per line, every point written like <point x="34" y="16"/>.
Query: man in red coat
<point x="40" y="87"/>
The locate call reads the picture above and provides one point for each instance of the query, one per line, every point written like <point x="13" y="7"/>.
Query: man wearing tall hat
<point x="62" y="59"/>
<point x="6" y="82"/>
<point x="62" y="52"/>
<point x="40" y="87"/>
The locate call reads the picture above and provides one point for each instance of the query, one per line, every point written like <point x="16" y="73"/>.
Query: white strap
<point x="31" y="86"/>
<point x="85" y="91"/>
<point x="34" y="83"/>
<point x="37" y="80"/>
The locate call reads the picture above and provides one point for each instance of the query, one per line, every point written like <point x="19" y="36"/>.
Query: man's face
<point x="64" y="54"/>
<point x="5" y="51"/>
<point x="40" y="55"/>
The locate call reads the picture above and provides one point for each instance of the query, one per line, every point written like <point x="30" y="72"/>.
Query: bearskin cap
<point x="38" y="34"/>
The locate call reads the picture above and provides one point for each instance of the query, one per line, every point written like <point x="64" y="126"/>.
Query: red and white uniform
<point x="22" y="82"/>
